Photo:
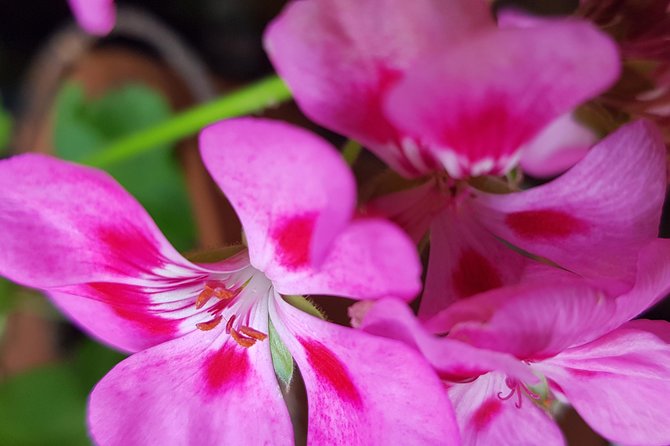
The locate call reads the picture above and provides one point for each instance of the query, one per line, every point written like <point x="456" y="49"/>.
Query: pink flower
<point x="204" y="374"/>
<point x="586" y="260"/>
<point x="593" y="221"/>
<point x="569" y="346"/>
<point x="95" y="16"/>
<point x="434" y="85"/>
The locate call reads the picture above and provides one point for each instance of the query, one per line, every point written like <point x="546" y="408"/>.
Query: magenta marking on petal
<point x="474" y="274"/>
<point x="132" y="305"/>
<point x="378" y="127"/>
<point x="486" y="413"/>
<point x="225" y="367"/>
<point x="132" y="248"/>
<point x="581" y="373"/>
<point x="330" y="369"/>
<point x="293" y="236"/>
<point x="545" y="224"/>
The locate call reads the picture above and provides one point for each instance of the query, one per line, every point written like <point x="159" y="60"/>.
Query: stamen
<point x="243" y="341"/>
<point x="204" y="297"/>
<point x="225" y="293"/>
<point x="518" y="400"/>
<point x="252" y="333"/>
<point x="229" y="324"/>
<point x="209" y="325"/>
<point x="511" y="393"/>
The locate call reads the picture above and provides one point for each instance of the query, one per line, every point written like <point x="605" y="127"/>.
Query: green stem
<point x="265" y="93"/>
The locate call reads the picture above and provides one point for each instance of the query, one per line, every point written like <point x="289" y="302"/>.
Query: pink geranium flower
<point x="204" y="373"/>
<point x="94" y="16"/>
<point x="593" y="221"/>
<point x="435" y="85"/>
<point x="569" y="340"/>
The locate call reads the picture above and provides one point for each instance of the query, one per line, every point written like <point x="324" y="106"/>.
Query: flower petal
<point x="65" y="224"/>
<point x="452" y="359"/>
<point x="362" y="389"/>
<point x="371" y="259"/>
<point x="465" y="260"/>
<point x="486" y="419"/>
<point x="75" y="233"/>
<point x="651" y="285"/>
<point x="530" y="321"/>
<point x="477" y="107"/>
<point x="557" y="148"/>
<point x="335" y="53"/>
<point x="412" y="209"/>
<point x="292" y="191"/>
<point x="620" y="383"/>
<point x="95" y="16"/>
<point x="198" y="389"/>
<point x="594" y="219"/>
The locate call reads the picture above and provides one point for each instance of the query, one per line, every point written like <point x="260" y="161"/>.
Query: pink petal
<point x="412" y="209"/>
<point x="651" y="285"/>
<point x="337" y="53"/>
<point x="465" y="260"/>
<point x="95" y="16"/>
<point x="200" y="389"/>
<point x="594" y="219"/>
<point x="133" y="317"/>
<point x="452" y="359"/>
<point x="620" y="383"/>
<point x="485" y="419"/>
<point x="477" y="107"/>
<point x="530" y="321"/>
<point x="292" y="191"/>
<point x="362" y="389"/>
<point x="65" y="224"/>
<point x="114" y="319"/>
<point x="558" y="147"/>
<point x="76" y="234"/>
<point x="371" y="259"/>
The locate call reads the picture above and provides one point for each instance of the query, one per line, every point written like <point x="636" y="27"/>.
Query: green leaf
<point x="43" y="406"/>
<point x="5" y="129"/>
<point x="84" y="126"/>
<point x="281" y="357"/>
<point x="48" y="405"/>
<point x="92" y="361"/>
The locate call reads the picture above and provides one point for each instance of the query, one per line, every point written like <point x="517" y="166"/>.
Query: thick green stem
<point x="253" y="98"/>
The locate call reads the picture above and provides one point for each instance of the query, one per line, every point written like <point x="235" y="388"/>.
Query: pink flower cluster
<point x="529" y="295"/>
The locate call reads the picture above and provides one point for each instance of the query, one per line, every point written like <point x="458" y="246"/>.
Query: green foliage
<point x="47" y="406"/>
<point x="5" y="129"/>
<point x="83" y="127"/>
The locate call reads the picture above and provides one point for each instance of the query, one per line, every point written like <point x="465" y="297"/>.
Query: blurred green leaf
<point x="5" y="129"/>
<point x="93" y="361"/>
<point x="47" y="406"/>
<point x="41" y="407"/>
<point x="83" y="127"/>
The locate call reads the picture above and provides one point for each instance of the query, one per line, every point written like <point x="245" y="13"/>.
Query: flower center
<point x="233" y="299"/>
<point x="519" y="389"/>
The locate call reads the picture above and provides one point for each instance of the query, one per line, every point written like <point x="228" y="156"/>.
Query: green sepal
<point x="304" y="304"/>
<point x="282" y="361"/>
<point x="213" y="255"/>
